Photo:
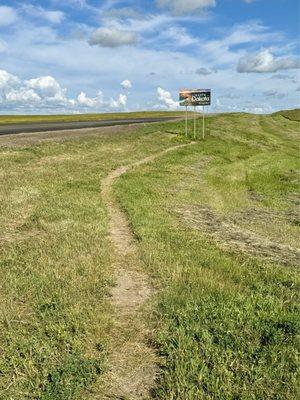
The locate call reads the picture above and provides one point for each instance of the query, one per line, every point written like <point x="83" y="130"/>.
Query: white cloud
<point x="46" y="86"/>
<point x="119" y="103"/>
<point x="264" y="61"/>
<point x="111" y="37"/>
<point x="165" y="97"/>
<point x="178" y="36"/>
<point x="7" y="80"/>
<point x="72" y="3"/>
<point x="229" y="47"/>
<point x="41" y="13"/>
<point x="95" y="102"/>
<point x="27" y="96"/>
<point x="54" y="17"/>
<point x="7" y="16"/>
<point x="181" y="7"/>
<point x="45" y="94"/>
<point x="126" y="84"/>
<point x="34" y="46"/>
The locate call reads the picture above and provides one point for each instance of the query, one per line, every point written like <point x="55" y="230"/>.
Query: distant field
<point x="18" y="119"/>
<point x="217" y="229"/>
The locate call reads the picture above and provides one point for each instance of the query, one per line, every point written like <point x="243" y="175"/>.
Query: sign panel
<point x="195" y="97"/>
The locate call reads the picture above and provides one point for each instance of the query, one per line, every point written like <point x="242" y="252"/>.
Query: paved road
<point x="58" y="126"/>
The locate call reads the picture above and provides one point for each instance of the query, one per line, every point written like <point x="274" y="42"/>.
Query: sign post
<point x="203" y="124"/>
<point x="195" y="97"/>
<point x="194" y="122"/>
<point x="186" y="121"/>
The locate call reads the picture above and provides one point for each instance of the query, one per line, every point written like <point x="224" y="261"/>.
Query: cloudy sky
<point x="125" y="55"/>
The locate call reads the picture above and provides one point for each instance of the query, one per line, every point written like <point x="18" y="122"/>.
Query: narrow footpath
<point x="133" y="364"/>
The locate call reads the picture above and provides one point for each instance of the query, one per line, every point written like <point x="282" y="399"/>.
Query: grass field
<point x="21" y="119"/>
<point x="292" y="115"/>
<point x="217" y="229"/>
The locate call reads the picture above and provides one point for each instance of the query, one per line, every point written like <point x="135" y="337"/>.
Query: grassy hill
<point x="217" y="228"/>
<point x="293" y="115"/>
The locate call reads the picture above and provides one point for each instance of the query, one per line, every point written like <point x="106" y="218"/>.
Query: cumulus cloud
<point x="22" y="96"/>
<point x="126" y="84"/>
<point x="7" y="16"/>
<point x="264" y="61"/>
<point x="165" y="97"/>
<point x="7" y="81"/>
<point x="99" y="102"/>
<point x="119" y="103"/>
<point x="46" y="86"/>
<point x="181" y="7"/>
<point x="111" y="37"/>
<point x="45" y="93"/>
<point x="86" y="101"/>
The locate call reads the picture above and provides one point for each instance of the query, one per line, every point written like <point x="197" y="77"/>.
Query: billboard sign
<point x="195" y="97"/>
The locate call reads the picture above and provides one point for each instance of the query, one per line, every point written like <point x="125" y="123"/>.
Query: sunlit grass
<point x="18" y="119"/>
<point x="56" y="261"/>
<point x="226" y="321"/>
<point x="225" y="318"/>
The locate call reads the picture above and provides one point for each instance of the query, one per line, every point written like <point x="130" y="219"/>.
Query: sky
<point x="77" y="56"/>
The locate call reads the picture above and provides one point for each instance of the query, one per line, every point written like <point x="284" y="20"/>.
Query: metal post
<point x="186" y="121"/>
<point x="194" y="122"/>
<point x="203" y="128"/>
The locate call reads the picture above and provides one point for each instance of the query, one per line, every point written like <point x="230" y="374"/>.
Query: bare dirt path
<point x="133" y="363"/>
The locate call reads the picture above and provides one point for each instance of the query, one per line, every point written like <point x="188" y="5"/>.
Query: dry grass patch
<point x="231" y="236"/>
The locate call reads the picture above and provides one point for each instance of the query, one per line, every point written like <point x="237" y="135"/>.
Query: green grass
<point x="225" y="317"/>
<point x="227" y="323"/>
<point x="293" y="115"/>
<point x="56" y="262"/>
<point x="21" y="119"/>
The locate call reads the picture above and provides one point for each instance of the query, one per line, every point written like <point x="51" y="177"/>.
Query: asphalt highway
<point x="58" y="126"/>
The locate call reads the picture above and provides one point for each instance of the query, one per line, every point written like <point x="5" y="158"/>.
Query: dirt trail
<point x="133" y="363"/>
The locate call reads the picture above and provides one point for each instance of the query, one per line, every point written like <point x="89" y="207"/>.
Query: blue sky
<point x="124" y="55"/>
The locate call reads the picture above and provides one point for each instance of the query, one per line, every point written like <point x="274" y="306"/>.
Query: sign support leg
<point x="194" y="122"/>
<point x="203" y="128"/>
<point x="186" y="121"/>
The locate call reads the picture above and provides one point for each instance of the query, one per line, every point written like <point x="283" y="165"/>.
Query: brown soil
<point x="133" y="363"/>
<point x="231" y="236"/>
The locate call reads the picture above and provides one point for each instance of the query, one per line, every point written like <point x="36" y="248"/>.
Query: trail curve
<point x="133" y="364"/>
